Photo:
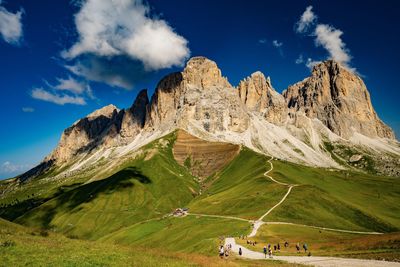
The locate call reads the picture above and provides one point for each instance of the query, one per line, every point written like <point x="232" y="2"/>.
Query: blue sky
<point x="56" y="67"/>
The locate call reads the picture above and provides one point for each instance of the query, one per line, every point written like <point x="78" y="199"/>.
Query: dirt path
<point x="314" y="261"/>
<point x="257" y="224"/>
<point x="327" y="229"/>
<point x="219" y="216"/>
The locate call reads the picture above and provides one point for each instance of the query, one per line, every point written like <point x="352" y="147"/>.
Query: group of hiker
<point x="268" y="250"/>
<point x="224" y="251"/>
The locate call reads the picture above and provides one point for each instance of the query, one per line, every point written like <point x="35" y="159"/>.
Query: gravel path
<point x="313" y="260"/>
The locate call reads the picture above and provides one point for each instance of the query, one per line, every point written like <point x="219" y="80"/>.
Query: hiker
<point x="270" y="253"/>
<point x="274" y="247"/>
<point x="305" y="247"/>
<point x="240" y="251"/>
<point x="279" y="247"/>
<point x="298" y="247"/>
<point x="227" y="252"/>
<point x="221" y="252"/>
<point x="286" y="244"/>
<point x="265" y="251"/>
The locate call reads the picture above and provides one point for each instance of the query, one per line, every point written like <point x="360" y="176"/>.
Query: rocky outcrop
<point x="134" y="118"/>
<point x="201" y="101"/>
<point x="198" y="96"/>
<point x="339" y="99"/>
<point x="257" y="93"/>
<point x="98" y="128"/>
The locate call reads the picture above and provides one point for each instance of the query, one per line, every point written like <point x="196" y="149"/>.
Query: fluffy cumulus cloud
<point x="307" y="19"/>
<point x="326" y="36"/>
<point x="71" y="85"/>
<point x="10" y="25"/>
<point x="330" y="38"/>
<point x="65" y="91"/>
<point x="56" y="98"/>
<point x="125" y="28"/>
<point x="276" y="43"/>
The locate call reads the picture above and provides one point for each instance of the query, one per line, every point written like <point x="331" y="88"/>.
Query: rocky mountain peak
<point x="339" y="99"/>
<point x="257" y="93"/>
<point x="106" y="111"/>
<point x="134" y="118"/>
<point x="203" y="72"/>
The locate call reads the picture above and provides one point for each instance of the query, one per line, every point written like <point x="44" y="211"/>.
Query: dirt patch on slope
<point x="201" y="157"/>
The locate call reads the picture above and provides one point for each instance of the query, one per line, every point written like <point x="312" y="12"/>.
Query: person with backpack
<point x="298" y="247"/>
<point x="240" y="251"/>
<point x="270" y="253"/>
<point x="305" y="247"/>
<point x="221" y="252"/>
<point x="265" y="251"/>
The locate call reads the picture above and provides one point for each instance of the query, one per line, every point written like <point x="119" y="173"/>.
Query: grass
<point x="188" y="234"/>
<point x="28" y="247"/>
<point x="328" y="243"/>
<point x="140" y="189"/>
<point x="127" y="204"/>
<point x="240" y="189"/>
<point x="341" y="199"/>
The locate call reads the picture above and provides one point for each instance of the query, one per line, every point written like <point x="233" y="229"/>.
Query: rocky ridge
<point x="332" y="105"/>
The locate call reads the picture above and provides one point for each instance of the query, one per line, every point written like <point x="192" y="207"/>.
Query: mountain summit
<point x="308" y="124"/>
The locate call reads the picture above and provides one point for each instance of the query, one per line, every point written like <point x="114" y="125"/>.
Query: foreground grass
<point x="328" y="243"/>
<point x="20" y="246"/>
<point x="188" y="234"/>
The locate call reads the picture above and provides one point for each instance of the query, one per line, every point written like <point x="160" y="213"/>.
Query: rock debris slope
<point x="329" y="111"/>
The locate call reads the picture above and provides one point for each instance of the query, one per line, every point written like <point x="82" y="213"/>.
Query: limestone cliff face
<point x="200" y="100"/>
<point x="257" y="93"/>
<point x="198" y="95"/>
<point x="134" y="118"/>
<point x="339" y="99"/>
<point x="99" y="127"/>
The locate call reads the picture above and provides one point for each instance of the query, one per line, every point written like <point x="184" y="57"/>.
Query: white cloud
<point x="262" y="41"/>
<point x="124" y="28"/>
<point x="10" y="25"/>
<point x="28" y="109"/>
<point x="10" y="168"/>
<point x="59" y="99"/>
<point x="330" y="38"/>
<point x="307" y="19"/>
<point x="71" y="85"/>
<point x="310" y="63"/>
<point x="300" y="59"/>
<point x="276" y="43"/>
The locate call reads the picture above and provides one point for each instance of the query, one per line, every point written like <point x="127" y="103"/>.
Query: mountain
<point x="326" y="120"/>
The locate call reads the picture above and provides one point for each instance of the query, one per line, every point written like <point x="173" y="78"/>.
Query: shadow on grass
<point x="69" y="200"/>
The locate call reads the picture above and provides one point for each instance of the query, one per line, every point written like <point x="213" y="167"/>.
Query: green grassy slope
<point x="187" y="234"/>
<point x="126" y="205"/>
<point x="340" y="199"/>
<point x="328" y="243"/>
<point x="21" y="246"/>
<point x="240" y="189"/>
<point x="140" y="189"/>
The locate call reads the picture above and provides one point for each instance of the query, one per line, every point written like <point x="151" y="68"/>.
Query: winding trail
<point x="257" y="224"/>
<point x="312" y="260"/>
